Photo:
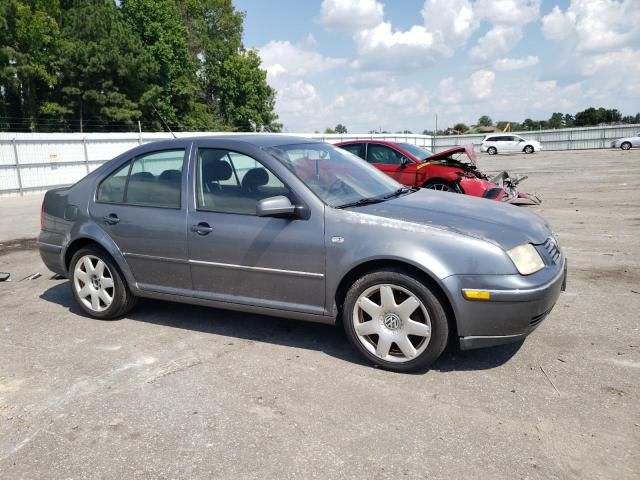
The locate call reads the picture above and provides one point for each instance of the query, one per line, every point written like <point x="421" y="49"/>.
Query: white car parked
<point x="627" y="143"/>
<point x="493" y="144"/>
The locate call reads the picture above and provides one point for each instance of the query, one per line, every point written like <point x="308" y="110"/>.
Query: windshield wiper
<point x="362" y="201"/>
<point x="398" y="192"/>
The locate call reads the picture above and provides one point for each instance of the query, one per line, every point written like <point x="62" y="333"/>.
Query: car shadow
<point x="275" y="330"/>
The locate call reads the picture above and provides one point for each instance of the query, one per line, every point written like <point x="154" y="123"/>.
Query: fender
<point x="94" y="232"/>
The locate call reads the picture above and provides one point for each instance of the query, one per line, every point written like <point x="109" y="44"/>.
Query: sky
<point x="395" y="65"/>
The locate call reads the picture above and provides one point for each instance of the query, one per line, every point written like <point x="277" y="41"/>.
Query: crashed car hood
<point x="468" y="149"/>
<point x="501" y="224"/>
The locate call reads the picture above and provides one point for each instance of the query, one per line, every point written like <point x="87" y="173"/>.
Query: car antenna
<point x="163" y="122"/>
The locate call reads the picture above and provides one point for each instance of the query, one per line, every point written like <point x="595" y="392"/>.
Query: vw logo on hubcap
<point x="391" y="321"/>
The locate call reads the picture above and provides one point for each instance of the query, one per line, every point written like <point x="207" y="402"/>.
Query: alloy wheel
<point x="440" y="187"/>
<point x="625" y="146"/>
<point x="392" y="323"/>
<point x="93" y="283"/>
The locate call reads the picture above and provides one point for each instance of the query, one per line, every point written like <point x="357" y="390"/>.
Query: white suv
<point x="492" y="144"/>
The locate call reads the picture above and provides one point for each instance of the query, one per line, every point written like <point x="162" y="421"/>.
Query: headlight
<point x="526" y="259"/>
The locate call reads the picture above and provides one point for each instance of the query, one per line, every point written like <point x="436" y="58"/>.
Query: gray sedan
<point x="284" y="226"/>
<point x="626" y="143"/>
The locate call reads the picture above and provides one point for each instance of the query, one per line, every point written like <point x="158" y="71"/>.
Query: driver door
<point x="236" y="256"/>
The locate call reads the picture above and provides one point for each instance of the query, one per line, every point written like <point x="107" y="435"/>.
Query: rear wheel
<point x="625" y="145"/>
<point x="440" y="185"/>
<point x="98" y="285"/>
<point x="528" y="149"/>
<point x="395" y="321"/>
<point x="492" y="150"/>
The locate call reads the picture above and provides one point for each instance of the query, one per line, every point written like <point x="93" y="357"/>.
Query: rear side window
<point x="355" y="148"/>
<point x="490" y="139"/>
<point x="153" y="180"/>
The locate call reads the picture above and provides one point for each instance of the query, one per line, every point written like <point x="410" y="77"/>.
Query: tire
<point x="626" y="146"/>
<point x="439" y="185"/>
<point x="528" y="149"/>
<point x="92" y="289"/>
<point x="388" y="321"/>
<point x="492" y="150"/>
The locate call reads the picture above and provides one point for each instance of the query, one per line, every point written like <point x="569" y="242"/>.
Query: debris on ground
<point x="4" y="276"/>
<point x="33" y="276"/>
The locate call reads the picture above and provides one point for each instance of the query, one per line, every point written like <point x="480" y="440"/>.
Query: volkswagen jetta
<point x="290" y="227"/>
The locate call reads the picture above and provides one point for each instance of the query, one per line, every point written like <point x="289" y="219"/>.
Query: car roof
<point x="258" y="139"/>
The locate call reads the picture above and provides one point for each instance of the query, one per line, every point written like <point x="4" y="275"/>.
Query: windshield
<point x="336" y="176"/>
<point x="418" y="152"/>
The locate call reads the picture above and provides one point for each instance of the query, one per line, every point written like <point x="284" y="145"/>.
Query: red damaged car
<point x="452" y="170"/>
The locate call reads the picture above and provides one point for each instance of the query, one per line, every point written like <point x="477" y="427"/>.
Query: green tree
<point x="104" y="72"/>
<point x="329" y="130"/>
<point x="556" y="120"/>
<point x="461" y="127"/>
<point x="28" y="40"/>
<point x="165" y="37"/>
<point x="215" y="41"/>
<point x="485" y="121"/>
<point x="340" y="128"/>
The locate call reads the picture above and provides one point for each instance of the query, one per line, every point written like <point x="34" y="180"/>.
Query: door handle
<point x="111" y="219"/>
<point x="203" y="228"/>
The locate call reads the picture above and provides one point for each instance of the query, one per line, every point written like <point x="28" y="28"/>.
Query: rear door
<point x="390" y="161"/>
<point x="141" y="206"/>
<point x="238" y="257"/>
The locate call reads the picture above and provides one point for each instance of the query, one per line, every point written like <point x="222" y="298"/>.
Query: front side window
<point x="232" y="182"/>
<point x="336" y="176"/>
<point x="153" y="179"/>
<point x="384" y="155"/>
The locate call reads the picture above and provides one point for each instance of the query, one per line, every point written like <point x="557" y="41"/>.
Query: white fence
<point x="35" y="162"/>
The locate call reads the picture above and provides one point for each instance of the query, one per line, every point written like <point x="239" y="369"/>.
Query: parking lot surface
<point x="177" y="391"/>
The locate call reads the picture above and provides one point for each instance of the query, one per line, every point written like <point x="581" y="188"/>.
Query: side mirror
<point x="279" y="206"/>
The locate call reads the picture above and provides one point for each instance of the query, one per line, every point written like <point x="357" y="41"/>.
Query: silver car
<point x="627" y="143"/>
<point x="284" y="226"/>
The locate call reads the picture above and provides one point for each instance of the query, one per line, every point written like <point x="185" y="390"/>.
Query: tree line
<point x="98" y="65"/>
<point x="589" y="117"/>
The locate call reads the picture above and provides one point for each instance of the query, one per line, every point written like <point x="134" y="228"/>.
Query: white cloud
<point x="478" y="87"/>
<point x="383" y="48"/>
<point x="508" y="12"/>
<point x="451" y="21"/>
<point x="506" y="64"/>
<point x="351" y="15"/>
<point x="284" y="58"/>
<point x="594" y="25"/>
<point x="497" y="41"/>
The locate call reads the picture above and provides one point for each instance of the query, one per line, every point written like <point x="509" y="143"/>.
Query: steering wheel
<point x="337" y="187"/>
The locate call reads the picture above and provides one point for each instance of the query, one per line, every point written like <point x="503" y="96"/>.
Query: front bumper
<point x="517" y="307"/>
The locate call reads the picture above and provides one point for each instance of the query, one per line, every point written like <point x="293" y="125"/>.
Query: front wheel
<point x="492" y="150"/>
<point x="528" y="149"/>
<point x="626" y="146"/>
<point x="395" y="321"/>
<point x="98" y="285"/>
<point x="440" y="185"/>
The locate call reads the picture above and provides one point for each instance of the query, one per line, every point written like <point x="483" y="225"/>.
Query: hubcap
<point x="392" y="323"/>
<point x="93" y="283"/>
<point x="440" y="187"/>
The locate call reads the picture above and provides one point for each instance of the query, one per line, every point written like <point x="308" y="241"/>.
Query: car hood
<point x="468" y="149"/>
<point x="501" y="224"/>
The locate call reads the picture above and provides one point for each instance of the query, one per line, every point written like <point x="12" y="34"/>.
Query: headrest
<point x="215" y="170"/>
<point x="254" y="178"/>
<point x="170" y="176"/>
<point x="143" y="177"/>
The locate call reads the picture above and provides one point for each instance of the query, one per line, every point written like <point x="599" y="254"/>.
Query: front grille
<point x="551" y="247"/>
